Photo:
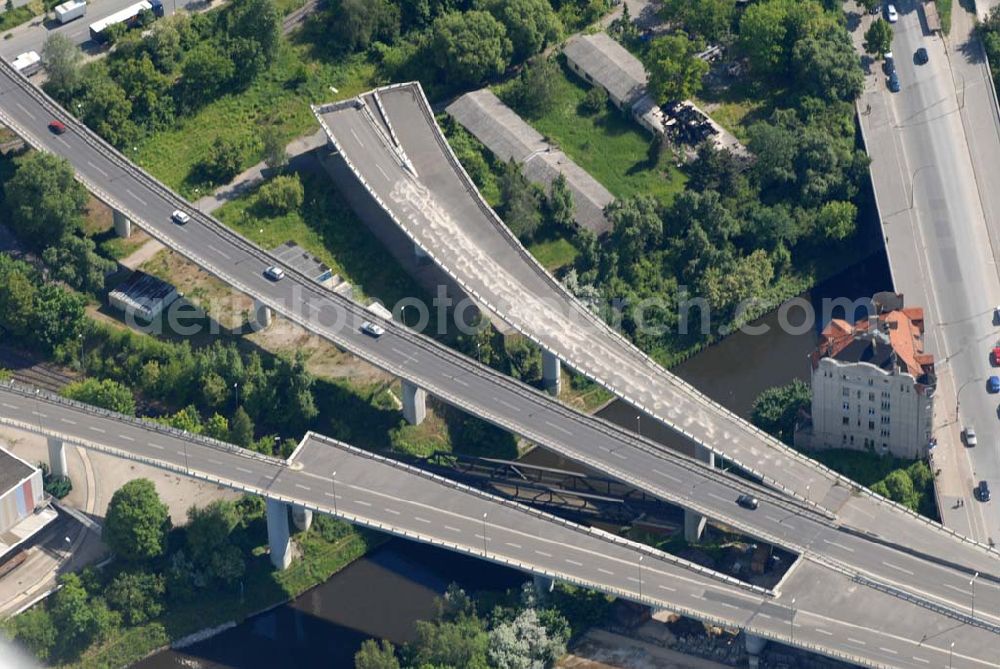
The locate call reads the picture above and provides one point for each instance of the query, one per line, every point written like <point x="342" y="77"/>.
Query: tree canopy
<point x="675" y="71"/>
<point x="470" y="47"/>
<point x="44" y="200"/>
<point x="136" y="524"/>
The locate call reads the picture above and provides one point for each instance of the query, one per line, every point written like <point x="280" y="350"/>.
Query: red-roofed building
<point x="873" y="383"/>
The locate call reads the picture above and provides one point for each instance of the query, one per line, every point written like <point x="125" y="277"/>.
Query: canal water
<point x="387" y="591"/>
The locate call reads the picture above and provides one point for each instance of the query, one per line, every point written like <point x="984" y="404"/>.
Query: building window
<point x="845" y="392"/>
<point x="871" y="382"/>
<point x="852" y="439"/>
<point x="885" y="420"/>
<point x="871" y="411"/>
<point x="847" y="406"/>
<point x="886" y="406"/>
<point x="885" y="394"/>
<point x="859" y="394"/>
<point x="871" y="397"/>
<point x="871" y="425"/>
<point x="846" y="420"/>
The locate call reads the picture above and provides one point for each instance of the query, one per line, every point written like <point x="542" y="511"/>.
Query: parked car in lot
<point x="983" y="491"/>
<point x="970" y="436"/>
<point x="920" y="57"/>
<point x="993" y="384"/>
<point x="372" y="329"/>
<point x="891" y="13"/>
<point x="57" y="127"/>
<point x="747" y="501"/>
<point x="888" y="63"/>
<point x="274" y="273"/>
<point x="180" y="217"/>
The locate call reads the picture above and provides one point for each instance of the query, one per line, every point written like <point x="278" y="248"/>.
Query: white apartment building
<point x="873" y="384"/>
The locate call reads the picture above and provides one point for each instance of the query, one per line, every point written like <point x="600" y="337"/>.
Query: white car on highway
<point x="180" y="217"/>
<point x="891" y="13"/>
<point x="274" y="273"/>
<point x="372" y="329"/>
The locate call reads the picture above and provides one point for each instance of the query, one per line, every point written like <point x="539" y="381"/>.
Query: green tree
<point x="35" y="630"/>
<point x="675" y="71"/>
<point x="17" y="303"/>
<point x="837" y="220"/>
<point x="559" y="205"/>
<point x="75" y="261"/>
<point x="224" y="160"/>
<point x="376" y="655"/>
<point x="275" y="153"/>
<point x="827" y="67"/>
<point x="204" y="75"/>
<point x="137" y="595"/>
<point x="776" y="409"/>
<point x="62" y="59"/>
<point x="209" y="528"/>
<point x="217" y="427"/>
<point x="241" y="430"/>
<point x="253" y="34"/>
<point x="354" y="24"/>
<point x="104" y="393"/>
<point x="535" y="92"/>
<point x="136" y="524"/>
<point x="595" y="101"/>
<point x="898" y="486"/>
<point x="469" y="47"/>
<point x="461" y="643"/>
<point x="878" y="38"/>
<point x="59" y="318"/>
<point x="281" y="195"/>
<point x="869" y="5"/>
<point x="521" y="202"/>
<point x="775" y="148"/>
<point x="44" y="200"/>
<point x="106" y="108"/>
<point x="636" y="226"/>
<point x="147" y="89"/>
<point x="187" y="419"/>
<point x="531" y="24"/>
<point x="710" y="19"/>
<point x="524" y="642"/>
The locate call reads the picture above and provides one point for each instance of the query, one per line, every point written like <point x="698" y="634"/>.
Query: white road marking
<point x="244" y="470"/>
<point x="97" y="168"/>
<point x="392" y="511"/>
<point x="221" y="253"/>
<point x="558" y="427"/>
<point x="9" y="406"/>
<point x="156" y="446"/>
<point x="605" y="571"/>
<point x="383" y="172"/>
<point x="921" y="660"/>
<point x="857" y="641"/>
<point x="40" y="414"/>
<point x="22" y="108"/>
<point x="62" y="141"/>
<point x="888" y="650"/>
<point x="506" y="404"/>
<point x="764" y="615"/>
<point x="136" y="197"/>
<point x="96" y="429"/>
<point x="303" y="487"/>
<point x="697" y="596"/>
<point x="619" y="455"/>
<point x="362" y="502"/>
<point x="214" y="461"/>
<point x="543" y="553"/>
<point x="841" y="546"/>
<point x="574" y="563"/>
<point x="360" y="143"/>
<point x="666" y="476"/>
<point x="892" y="566"/>
<point x="421" y="520"/>
<point x="667" y="588"/>
<point x="126" y="437"/>
<point x="67" y="420"/>
<point x="457" y="380"/>
<point x="513" y="545"/>
<point x="718" y="497"/>
<point x="453" y="529"/>
<point x="773" y="519"/>
<point x="823" y="631"/>
<point x="634" y="579"/>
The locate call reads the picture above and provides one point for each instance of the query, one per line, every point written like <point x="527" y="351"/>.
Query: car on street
<point x="180" y="217"/>
<point x="888" y="63"/>
<point x="57" y="127"/>
<point x="891" y="13"/>
<point x="970" y="436"/>
<point x="274" y="273"/>
<point x="894" y="82"/>
<point x="993" y="384"/>
<point x="995" y="355"/>
<point x="996" y="314"/>
<point x="372" y="329"/>
<point x="983" y="491"/>
<point x="747" y="501"/>
<point x="920" y="57"/>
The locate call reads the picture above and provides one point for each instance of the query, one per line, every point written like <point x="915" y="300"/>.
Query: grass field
<point x="553" y="254"/>
<point x="275" y="98"/>
<point x="612" y="148"/>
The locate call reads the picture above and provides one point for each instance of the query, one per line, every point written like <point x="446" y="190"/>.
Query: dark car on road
<point x="993" y="384"/>
<point x="747" y="501"/>
<point x="921" y="57"/>
<point x="57" y="127"/>
<point x="893" y="82"/>
<point x="983" y="491"/>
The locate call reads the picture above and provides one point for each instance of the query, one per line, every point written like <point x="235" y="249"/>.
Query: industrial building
<point x="143" y="295"/>
<point x="873" y="384"/>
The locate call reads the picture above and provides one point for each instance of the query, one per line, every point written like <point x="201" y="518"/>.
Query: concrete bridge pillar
<point x="551" y="372"/>
<point x="543" y="585"/>
<point x="123" y="226"/>
<point x="302" y="518"/>
<point x="57" y="457"/>
<point x="694" y="523"/>
<point x="277" y="534"/>
<point x="262" y="315"/>
<point x="414" y="403"/>
<point x="755" y="646"/>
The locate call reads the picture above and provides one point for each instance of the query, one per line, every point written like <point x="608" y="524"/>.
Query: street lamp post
<point x="236" y="387"/>
<point x="791" y="623"/>
<point x="333" y="484"/>
<point x="484" y="533"/>
<point x="640" y="576"/>
<point x="951" y="654"/>
<point x="638" y="424"/>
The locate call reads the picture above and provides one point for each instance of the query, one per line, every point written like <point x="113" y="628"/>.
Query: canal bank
<point x="385" y="592"/>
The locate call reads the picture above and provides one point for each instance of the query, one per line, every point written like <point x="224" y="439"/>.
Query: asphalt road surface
<point x="509" y="404"/>
<point x="817" y="608"/>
